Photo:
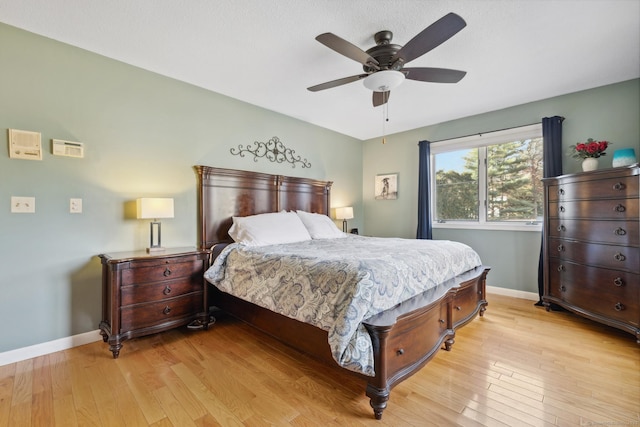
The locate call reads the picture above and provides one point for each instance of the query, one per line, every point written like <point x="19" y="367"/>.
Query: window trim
<point x="476" y="141"/>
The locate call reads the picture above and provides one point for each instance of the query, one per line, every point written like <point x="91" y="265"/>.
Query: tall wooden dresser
<point x="592" y="246"/>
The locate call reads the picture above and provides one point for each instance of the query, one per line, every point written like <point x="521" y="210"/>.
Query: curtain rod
<point x="482" y="133"/>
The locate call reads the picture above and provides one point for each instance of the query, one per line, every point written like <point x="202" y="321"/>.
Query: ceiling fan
<point x="384" y="63"/>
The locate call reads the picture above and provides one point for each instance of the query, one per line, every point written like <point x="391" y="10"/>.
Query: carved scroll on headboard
<point x="224" y="193"/>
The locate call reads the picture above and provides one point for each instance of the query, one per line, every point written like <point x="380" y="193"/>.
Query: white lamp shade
<point x="383" y="81"/>
<point x="154" y="208"/>
<point x="344" y="213"/>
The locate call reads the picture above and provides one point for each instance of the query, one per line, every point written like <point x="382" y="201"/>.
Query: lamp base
<point x="155" y="249"/>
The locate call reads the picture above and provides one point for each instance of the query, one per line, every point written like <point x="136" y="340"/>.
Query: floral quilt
<point x="335" y="284"/>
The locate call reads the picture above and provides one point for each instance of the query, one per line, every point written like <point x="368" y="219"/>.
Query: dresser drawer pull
<point x="441" y="320"/>
<point x="167" y="290"/>
<point x="563" y="288"/>
<point x="561" y="268"/>
<point x="620" y="231"/>
<point x="400" y="351"/>
<point x="167" y="272"/>
<point x="619" y="257"/>
<point x="562" y="228"/>
<point x="618" y="281"/>
<point x="619" y="186"/>
<point x="561" y="192"/>
<point x="620" y="208"/>
<point x="560" y="248"/>
<point x="458" y="308"/>
<point x="561" y="209"/>
<point x="619" y="307"/>
<point x="167" y="310"/>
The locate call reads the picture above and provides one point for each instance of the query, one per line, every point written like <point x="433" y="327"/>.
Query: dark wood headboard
<point x="224" y="193"/>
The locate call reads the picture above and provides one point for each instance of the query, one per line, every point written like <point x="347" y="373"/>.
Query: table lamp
<point x="154" y="209"/>
<point x="344" y="214"/>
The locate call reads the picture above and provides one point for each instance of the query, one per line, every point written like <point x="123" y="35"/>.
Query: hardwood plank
<point x="519" y="365"/>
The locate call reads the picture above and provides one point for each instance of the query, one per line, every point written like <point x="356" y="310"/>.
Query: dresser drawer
<point x="615" y="294"/>
<point x="151" y="314"/>
<point x="150" y="292"/>
<point x="144" y="271"/>
<point x="609" y="256"/>
<point x="616" y="232"/>
<point x="621" y="187"/>
<point x="625" y="209"/>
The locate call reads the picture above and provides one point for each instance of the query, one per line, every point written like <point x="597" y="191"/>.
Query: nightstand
<point x="144" y="293"/>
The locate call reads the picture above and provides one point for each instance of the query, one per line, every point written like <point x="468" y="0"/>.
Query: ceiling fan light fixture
<point x="384" y="80"/>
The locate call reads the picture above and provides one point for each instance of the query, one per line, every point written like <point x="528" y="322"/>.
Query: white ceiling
<point x="264" y="52"/>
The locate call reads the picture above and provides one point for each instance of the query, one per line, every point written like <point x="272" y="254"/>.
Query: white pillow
<point x="320" y="226"/>
<point x="268" y="229"/>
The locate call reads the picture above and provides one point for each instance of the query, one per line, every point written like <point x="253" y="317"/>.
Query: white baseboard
<point x="41" y="349"/>
<point x="36" y="350"/>
<point x="513" y="293"/>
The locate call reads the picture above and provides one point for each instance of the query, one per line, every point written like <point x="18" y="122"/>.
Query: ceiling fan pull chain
<point x="385" y="119"/>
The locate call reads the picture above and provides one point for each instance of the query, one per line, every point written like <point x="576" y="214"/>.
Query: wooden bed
<point x="404" y="338"/>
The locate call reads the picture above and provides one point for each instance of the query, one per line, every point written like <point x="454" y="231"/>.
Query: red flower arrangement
<point x="591" y="148"/>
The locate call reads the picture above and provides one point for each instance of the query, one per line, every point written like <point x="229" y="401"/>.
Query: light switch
<point x="23" y="204"/>
<point x="75" y="205"/>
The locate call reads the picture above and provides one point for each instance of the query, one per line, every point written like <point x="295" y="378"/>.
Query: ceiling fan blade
<point x="381" y="98"/>
<point x="431" y="37"/>
<point x="347" y="49"/>
<point x="434" y="75"/>
<point x="338" y="82"/>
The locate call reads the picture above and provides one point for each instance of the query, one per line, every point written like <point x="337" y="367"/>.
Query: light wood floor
<point x="517" y="366"/>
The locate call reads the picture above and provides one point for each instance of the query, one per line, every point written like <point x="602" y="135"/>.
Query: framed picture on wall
<point x="386" y="187"/>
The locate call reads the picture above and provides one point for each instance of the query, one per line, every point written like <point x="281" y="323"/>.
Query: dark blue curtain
<point x="424" y="179"/>
<point x="552" y="158"/>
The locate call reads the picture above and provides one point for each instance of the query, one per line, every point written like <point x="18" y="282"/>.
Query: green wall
<point x="610" y="112"/>
<point x="142" y="134"/>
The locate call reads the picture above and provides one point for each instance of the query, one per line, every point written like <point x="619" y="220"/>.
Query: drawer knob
<point x="167" y="290"/>
<point x="620" y="231"/>
<point x="619" y="306"/>
<point x="563" y="288"/>
<point x="562" y="228"/>
<point x="167" y="272"/>
<point x="620" y="208"/>
<point x="441" y="320"/>
<point x="561" y="192"/>
<point x="167" y="310"/>
<point x="400" y="351"/>
<point x="458" y="308"/>
<point x="619" y="186"/>
<point x="618" y="281"/>
<point x="561" y="267"/>
<point x="560" y="248"/>
<point x="561" y="209"/>
<point x="619" y="257"/>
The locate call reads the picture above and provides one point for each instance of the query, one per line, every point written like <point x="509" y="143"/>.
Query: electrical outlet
<point x="75" y="205"/>
<point x="23" y="204"/>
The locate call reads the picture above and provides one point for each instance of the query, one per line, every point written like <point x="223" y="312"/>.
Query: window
<point x="491" y="180"/>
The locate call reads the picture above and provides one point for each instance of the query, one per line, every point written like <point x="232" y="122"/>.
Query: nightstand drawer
<point x="142" y="272"/>
<point x="151" y="314"/>
<point x="135" y="294"/>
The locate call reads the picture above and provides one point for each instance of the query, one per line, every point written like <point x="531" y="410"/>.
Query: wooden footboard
<point x="404" y="338"/>
<point x="407" y="337"/>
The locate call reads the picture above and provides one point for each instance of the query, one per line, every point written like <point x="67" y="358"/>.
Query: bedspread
<point x="335" y="284"/>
